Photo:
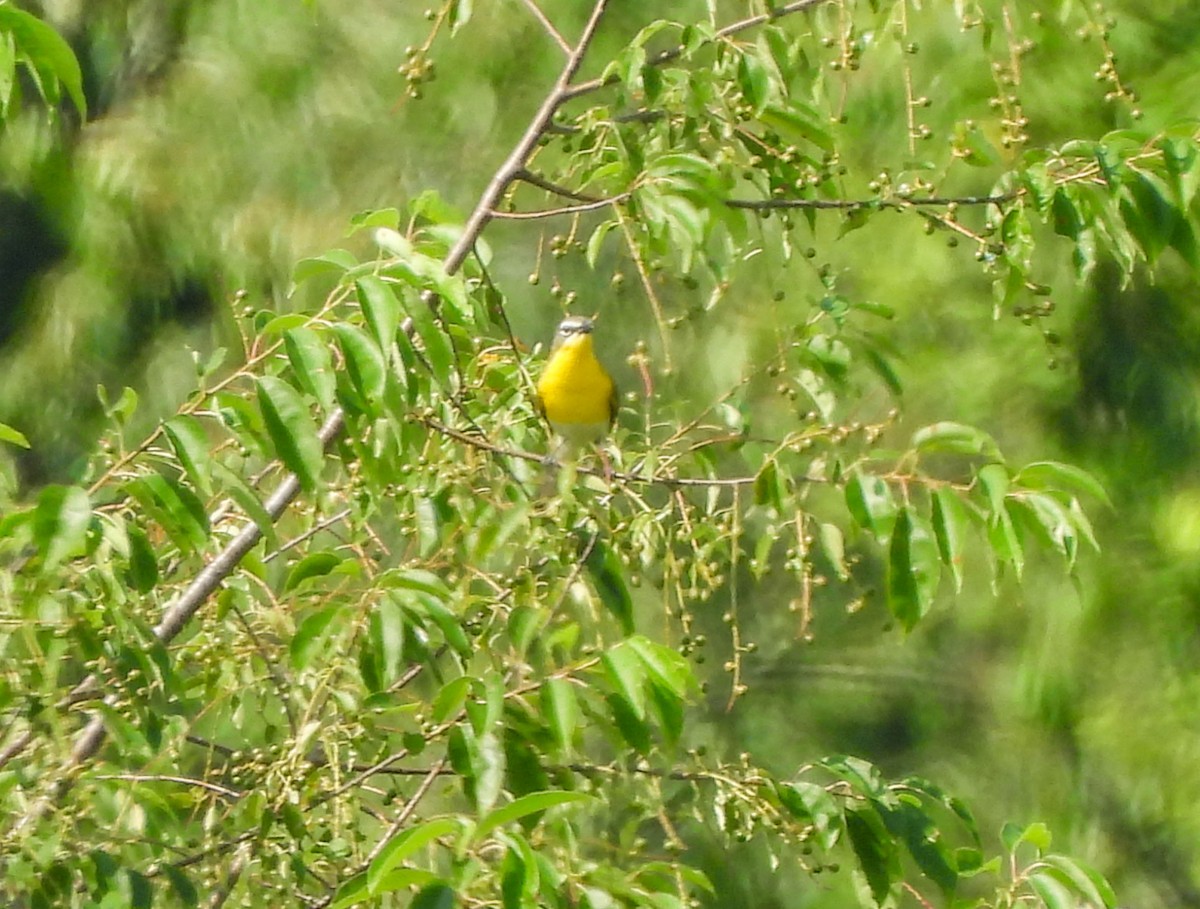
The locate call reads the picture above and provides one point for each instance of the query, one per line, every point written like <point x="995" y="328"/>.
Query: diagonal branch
<point x="519" y="157"/>
<point x="548" y="26"/>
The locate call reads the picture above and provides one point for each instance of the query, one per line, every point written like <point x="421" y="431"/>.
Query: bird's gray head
<point x="572" y="326"/>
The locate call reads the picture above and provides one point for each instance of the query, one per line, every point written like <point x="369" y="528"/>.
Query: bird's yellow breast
<point x="574" y="387"/>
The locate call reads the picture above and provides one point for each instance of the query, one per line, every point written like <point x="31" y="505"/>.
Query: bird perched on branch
<point x="576" y="394"/>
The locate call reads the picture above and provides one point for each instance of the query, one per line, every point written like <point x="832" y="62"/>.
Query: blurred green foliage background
<point x="226" y="139"/>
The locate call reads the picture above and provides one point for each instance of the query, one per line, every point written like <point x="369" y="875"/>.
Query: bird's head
<point x="573" y="331"/>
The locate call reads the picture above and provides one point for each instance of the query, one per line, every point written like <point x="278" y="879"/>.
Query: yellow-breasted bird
<point x="575" y="394"/>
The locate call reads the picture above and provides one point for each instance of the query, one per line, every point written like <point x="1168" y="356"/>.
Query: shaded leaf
<point x="608" y="578"/>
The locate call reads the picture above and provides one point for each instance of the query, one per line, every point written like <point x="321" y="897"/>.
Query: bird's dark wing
<point x="614" y="404"/>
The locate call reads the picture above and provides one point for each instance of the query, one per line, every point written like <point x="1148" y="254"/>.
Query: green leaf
<point x="174" y="507"/>
<point x="382" y="310"/>
<point x="438" y="351"/>
<point x="949" y="521"/>
<point x="403" y="878"/>
<point x="596" y="241"/>
<point x="561" y="710"/>
<point x="313" y="565"/>
<point x="1049" y="519"/>
<point x="49" y="56"/>
<point x="335" y="261"/>
<point x="184" y="889"/>
<point x="874" y="849"/>
<point x="994" y="481"/>
<point x="626" y="672"/>
<point x="364" y="364"/>
<point x="813" y="803"/>
<point x="754" y="81"/>
<point x="607" y="573"/>
<point x="526" y="805"/>
<point x="833" y="544"/>
<point x="311" y="635"/>
<point x="435" y="896"/>
<point x="913" y="569"/>
<point x="1055" y="475"/>
<point x="449" y="701"/>
<point x="60" y="523"/>
<point x="1051" y="892"/>
<point x="1005" y="543"/>
<point x="12" y="436"/>
<point x="923" y="841"/>
<point x="665" y="665"/>
<point x="405" y="844"/>
<point x="449" y="623"/>
<point x="351" y="892"/>
<point x="143" y="563"/>
<point x="385" y="631"/>
<point x="1087" y="882"/>
<point x="312" y="363"/>
<point x="770" y="486"/>
<point x="376" y="217"/>
<point x="1036" y="834"/>
<point x="871" y="504"/>
<point x="291" y="429"/>
<point x="956" y="437"/>
<point x="191" y="445"/>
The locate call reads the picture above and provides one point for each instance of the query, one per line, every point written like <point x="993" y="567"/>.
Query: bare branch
<point x="164" y="778"/>
<point x="631" y="479"/>
<point x="867" y="204"/>
<point x="557" y="212"/>
<point x="528" y="176"/>
<point x="548" y="26"/>
<point x="776" y="204"/>
<point x="517" y="159"/>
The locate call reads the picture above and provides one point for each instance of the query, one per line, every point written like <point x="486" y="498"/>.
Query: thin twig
<point x="858" y="204"/>
<point x="165" y="778"/>
<point x="527" y="176"/>
<point x="519" y="157"/>
<point x="631" y="479"/>
<point x="548" y="26"/>
<point x="308" y="534"/>
<point x="537" y="215"/>
<point x="409" y="807"/>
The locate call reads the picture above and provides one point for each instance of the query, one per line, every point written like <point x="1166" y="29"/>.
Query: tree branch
<point x="528" y="176"/>
<point x="517" y="159"/>
<point x="557" y="212"/>
<point x="548" y="26"/>
<point x="775" y="204"/>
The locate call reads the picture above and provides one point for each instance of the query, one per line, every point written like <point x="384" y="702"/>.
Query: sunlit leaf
<point x="526" y="805"/>
<point x="60" y="523"/>
<point x="191" y="444"/>
<point x="292" y="430"/>
<point x="405" y="844"/>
